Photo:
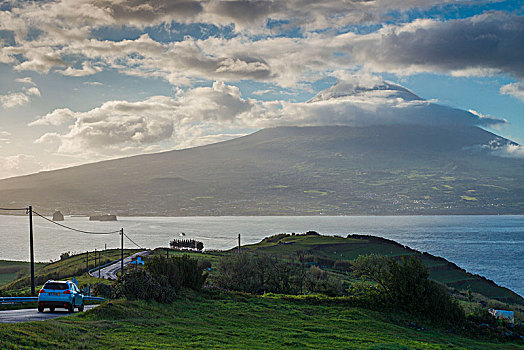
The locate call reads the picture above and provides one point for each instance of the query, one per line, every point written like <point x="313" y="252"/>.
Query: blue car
<point x="61" y="294"/>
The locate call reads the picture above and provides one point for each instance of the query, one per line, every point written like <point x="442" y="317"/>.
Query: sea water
<point x="492" y="246"/>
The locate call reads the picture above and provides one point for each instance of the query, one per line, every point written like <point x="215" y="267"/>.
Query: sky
<point x="88" y="80"/>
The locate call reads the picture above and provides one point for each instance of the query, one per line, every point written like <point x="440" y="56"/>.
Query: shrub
<point x="180" y="271"/>
<point x="258" y="274"/>
<point x="141" y="285"/>
<point x="319" y="281"/>
<point x="136" y="284"/>
<point x="102" y="290"/>
<point x="407" y="286"/>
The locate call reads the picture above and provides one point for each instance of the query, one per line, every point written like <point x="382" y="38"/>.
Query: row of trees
<point x="186" y="243"/>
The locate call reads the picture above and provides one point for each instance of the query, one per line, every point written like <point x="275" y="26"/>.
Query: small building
<point x="58" y="216"/>
<point x="508" y="316"/>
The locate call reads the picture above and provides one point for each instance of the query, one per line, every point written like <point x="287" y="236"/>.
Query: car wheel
<point x="81" y="308"/>
<point x="71" y="307"/>
<point x="52" y="309"/>
<point x="40" y="309"/>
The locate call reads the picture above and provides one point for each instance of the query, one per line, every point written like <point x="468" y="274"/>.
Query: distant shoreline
<point x="268" y="215"/>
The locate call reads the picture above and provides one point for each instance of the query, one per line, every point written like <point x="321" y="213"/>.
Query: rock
<point x="58" y="216"/>
<point x="107" y="217"/>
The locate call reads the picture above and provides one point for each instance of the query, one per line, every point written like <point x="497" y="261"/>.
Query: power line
<point x="74" y="229"/>
<point x="133" y="241"/>
<point x="13" y="209"/>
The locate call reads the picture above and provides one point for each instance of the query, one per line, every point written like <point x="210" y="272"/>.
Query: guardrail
<point x="17" y="300"/>
<point x="90" y="298"/>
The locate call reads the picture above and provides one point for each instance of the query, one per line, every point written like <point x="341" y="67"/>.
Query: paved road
<point x="25" y="315"/>
<point x="109" y="272"/>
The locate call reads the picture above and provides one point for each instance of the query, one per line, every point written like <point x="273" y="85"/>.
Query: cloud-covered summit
<point x="197" y="115"/>
<point x="365" y="87"/>
<point x="369" y="100"/>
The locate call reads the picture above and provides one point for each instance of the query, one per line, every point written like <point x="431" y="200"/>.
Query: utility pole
<point x="121" y="252"/>
<point x="167" y="253"/>
<point x="239" y="244"/>
<point x="95" y="258"/>
<point x="105" y="250"/>
<point x="99" y="263"/>
<point x="87" y="261"/>
<point x="32" y="253"/>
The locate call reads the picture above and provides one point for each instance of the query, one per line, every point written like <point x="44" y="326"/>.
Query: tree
<point x="406" y="285"/>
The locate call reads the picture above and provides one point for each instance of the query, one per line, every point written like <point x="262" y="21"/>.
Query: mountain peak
<point x="365" y="88"/>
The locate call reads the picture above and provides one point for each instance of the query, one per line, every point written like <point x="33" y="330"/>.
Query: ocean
<point x="492" y="246"/>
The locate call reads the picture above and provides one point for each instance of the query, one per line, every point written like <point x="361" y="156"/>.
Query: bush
<point x="407" y="286"/>
<point x="180" y="271"/>
<point x="102" y="290"/>
<point x="258" y="274"/>
<point x="141" y="285"/>
<point x="319" y="281"/>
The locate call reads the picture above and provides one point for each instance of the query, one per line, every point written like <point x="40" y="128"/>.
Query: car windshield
<point x="56" y="286"/>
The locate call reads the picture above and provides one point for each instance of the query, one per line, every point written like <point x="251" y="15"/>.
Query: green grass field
<point x="223" y="320"/>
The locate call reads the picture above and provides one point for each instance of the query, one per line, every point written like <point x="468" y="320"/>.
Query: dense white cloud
<point x="207" y="114"/>
<point x="19" y="164"/>
<point x="57" y="117"/>
<point x="480" y="45"/>
<point x="514" y="89"/>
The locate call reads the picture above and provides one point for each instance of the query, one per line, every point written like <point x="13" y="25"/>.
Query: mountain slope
<point x="391" y="169"/>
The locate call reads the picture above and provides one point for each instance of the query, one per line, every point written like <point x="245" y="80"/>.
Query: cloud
<point x="113" y="124"/>
<point x="93" y="83"/>
<point x="17" y="165"/>
<point x="20" y="98"/>
<point x="57" y="117"/>
<point x="65" y="40"/>
<point x="479" y="45"/>
<point x="123" y="124"/>
<point x="26" y="80"/>
<point x="510" y="151"/>
<point x="207" y="114"/>
<point x="86" y="69"/>
<point x="514" y="89"/>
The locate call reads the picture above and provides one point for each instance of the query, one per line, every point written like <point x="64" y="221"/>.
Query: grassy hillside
<point x="294" y="171"/>
<point x="223" y="320"/>
<point x="326" y="250"/>
<point x="9" y="270"/>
